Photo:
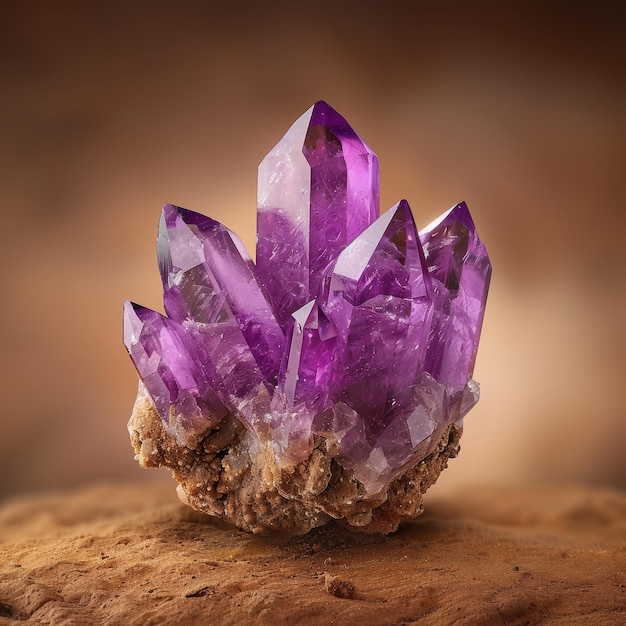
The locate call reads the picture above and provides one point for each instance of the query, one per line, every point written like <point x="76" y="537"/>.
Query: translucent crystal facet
<point x="380" y="301"/>
<point x="461" y="272"/>
<point x="168" y="363"/>
<point x="350" y="328"/>
<point x="318" y="189"/>
<point x="208" y="277"/>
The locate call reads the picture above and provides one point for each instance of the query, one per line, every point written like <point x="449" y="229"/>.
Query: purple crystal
<point x="380" y="302"/>
<point x="306" y="372"/>
<point x="461" y="271"/>
<point x="169" y="367"/>
<point x="318" y="189"/>
<point x="350" y="326"/>
<point x="363" y="358"/>
<point x="304" y="381"/>
<point x="380" y="299"/>
<point x="406" y="438"/>
<point x="208" y="277"/>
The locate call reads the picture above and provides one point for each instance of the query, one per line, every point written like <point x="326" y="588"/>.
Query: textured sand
<point x="134" y="555"/>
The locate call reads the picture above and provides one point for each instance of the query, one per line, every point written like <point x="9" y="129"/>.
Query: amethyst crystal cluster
<point x="351" y="334"/>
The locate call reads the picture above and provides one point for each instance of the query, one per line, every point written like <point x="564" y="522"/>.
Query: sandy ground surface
<point x="134" y="555"/>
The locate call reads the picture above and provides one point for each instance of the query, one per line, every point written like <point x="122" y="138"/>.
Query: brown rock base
<point x="221" y="477"/>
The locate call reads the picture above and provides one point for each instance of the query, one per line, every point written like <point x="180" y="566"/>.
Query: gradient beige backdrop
<point x="108" y="110"/>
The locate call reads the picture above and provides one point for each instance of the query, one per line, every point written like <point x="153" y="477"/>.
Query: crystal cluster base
<point x="227" y="476"/>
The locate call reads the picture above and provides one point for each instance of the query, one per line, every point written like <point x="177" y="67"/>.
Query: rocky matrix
<point x="330" y="379"/>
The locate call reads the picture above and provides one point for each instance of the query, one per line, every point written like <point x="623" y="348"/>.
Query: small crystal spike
<point x="169" y="367"/>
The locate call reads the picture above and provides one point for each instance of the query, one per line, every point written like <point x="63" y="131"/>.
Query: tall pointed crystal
<point x="318" y="189"/>
<point x="380" y="302"/>
<point x="208" y="277"/>
<point x="459" y="265"/>
<point x="170" y="368"/>
<point x="379" y="297"/>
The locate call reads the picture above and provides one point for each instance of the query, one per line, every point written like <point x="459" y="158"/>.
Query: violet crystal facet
<point x="318" y="190"/>
<point x="168" y="363"/>
<point x="352" y="337"/>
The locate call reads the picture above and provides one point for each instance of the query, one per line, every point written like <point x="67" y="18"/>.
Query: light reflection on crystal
<point x="318" y="189"/>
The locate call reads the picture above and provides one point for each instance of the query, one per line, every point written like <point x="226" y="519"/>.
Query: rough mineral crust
<point x="226" y="475"/>
<point x="330" y="378"/>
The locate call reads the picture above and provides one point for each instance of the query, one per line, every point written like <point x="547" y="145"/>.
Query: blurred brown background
<point x="109" y="110"/>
